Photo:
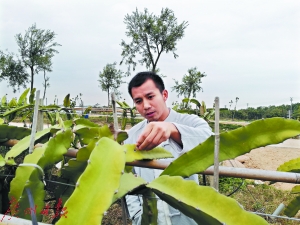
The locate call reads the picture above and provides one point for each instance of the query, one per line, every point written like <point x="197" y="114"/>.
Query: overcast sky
<point x="247" y="49"/>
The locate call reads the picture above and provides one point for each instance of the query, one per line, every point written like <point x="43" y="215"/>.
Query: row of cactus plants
<point x="98" y="175"/>
<point x="200" y="108"/>
<point x="127" y="109"/>
<point x="23" y="108"/>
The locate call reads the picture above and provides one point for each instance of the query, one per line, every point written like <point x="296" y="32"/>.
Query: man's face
<point x="150" y="102"/>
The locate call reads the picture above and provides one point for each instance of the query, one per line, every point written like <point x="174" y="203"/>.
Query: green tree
<point x="37" y="47"/>
<point x="110" y="79"/>
<point x="13" y="71"/>
<point x="190" y="83"/>
<point x="150" y="36"/>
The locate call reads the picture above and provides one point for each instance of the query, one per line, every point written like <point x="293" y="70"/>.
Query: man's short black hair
<point x="142" y="77"/>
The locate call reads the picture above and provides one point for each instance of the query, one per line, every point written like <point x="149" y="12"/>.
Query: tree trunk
<point x="108" y="97"/>
<point x="45" y="87"/>
<point x="31" y="82"/>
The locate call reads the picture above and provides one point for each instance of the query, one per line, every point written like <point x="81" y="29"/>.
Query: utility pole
<point x="291" y="114"/>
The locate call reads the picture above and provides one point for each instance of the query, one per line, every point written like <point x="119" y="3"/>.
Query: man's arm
<point x="193" y="131"/>
<point x="188" y="132"/>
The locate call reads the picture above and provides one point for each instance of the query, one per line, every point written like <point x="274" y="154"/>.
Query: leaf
<point x="290" y="166"/>
<point x="51" y="119"/>
<point x="156" y="153"/>
<point x="124" y="122"/>
<point x="23" y="144"/>
<point x="186" y="100"/>
<point x="128" y="183"/>
<point x="23" y="97"/>
<point x="56" y="148"/>
<point x="121" y="136"/>
<point x="196" y="102"/>
<point x="17" y="110"/>
<point x="204" y="204"/>
<point x="84" y="153"/>
<point x="67" y="101"/>
<point x="120" y="104"/>
<point x="49" y="107"/>
<point x="293" y="207"/>
<point x="85" y="122"/>
<point x="126" y="105"/>
<point x="2" y="161"/>
<point x="296" y="190"/>
<point x="96" y="186"/>
<point x="73" y="170"/>
<point x="61" y="125"/>
<point x="3" y="101"/>
<point x="29" y="176"/>
<point x="13" y="132"/>
<point x="12" y="103"/>
<point x="87" y="134"/>
<point x="232" y="144"/>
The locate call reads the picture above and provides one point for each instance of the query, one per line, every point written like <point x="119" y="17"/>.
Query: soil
<point x="272" y="156"/>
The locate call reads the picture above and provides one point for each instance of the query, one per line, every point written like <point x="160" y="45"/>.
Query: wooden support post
<point x="113" y="103"/>
<point x="40" y="119"/>
<point x="217" y="145"/>
<point x="34" y="123"/>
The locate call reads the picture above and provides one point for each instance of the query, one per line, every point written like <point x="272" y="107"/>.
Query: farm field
<point x="272" y="156"/>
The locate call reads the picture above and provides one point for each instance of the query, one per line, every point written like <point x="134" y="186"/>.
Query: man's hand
<point x="156" y="133"/>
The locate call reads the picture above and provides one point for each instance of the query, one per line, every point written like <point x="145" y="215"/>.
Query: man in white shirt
<point x="163" y="127"/>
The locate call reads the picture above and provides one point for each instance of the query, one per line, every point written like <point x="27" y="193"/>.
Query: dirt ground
<point x="272" y="156"/>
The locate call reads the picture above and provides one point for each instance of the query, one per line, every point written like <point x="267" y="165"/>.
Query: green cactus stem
<point x="28" y="174"/>
<point x="232" y="144"/>
<point x="204" y="204"/>
<point x="96" y="186"/>
<point x="156" y="153"/>
<point x="23" y="144"/>
<point x="150" y="212"/>
<point x="293" y="207"/>
<point x="128" y="184"/>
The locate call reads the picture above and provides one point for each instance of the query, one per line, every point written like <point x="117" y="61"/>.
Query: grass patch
<point x="263" y="198"/>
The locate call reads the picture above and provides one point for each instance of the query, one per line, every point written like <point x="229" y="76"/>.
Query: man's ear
<point x="165" y="95"/>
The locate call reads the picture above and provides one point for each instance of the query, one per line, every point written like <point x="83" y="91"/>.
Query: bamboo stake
<point x="40" y="118"/>
<point x="113" y="102"/>
<point x="217" y="145"/>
